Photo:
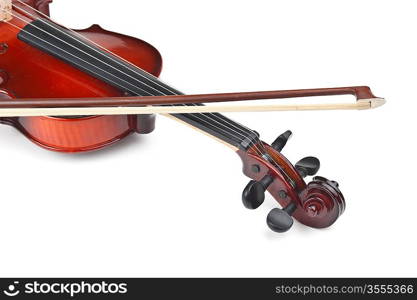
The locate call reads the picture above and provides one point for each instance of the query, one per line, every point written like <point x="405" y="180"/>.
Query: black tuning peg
<point x="254" y="193"/>
<point x="308" y="166"/>
<point x="280" y="220"/>
<point x="281" y="141"/>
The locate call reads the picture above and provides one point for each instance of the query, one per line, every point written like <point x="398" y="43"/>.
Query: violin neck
<point x="89" y="58"/>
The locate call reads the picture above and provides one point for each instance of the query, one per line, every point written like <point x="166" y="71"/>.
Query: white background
<point x="168" y="204"/>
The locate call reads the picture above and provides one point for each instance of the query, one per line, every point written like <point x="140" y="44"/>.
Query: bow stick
<point x="175" y="104"/>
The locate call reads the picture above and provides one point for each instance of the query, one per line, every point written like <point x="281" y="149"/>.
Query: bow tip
<point x="377" y="102"/>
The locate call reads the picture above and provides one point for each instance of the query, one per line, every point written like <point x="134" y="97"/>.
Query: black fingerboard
<point x="89" y="58"/>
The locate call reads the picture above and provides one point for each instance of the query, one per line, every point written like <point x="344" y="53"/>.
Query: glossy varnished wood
<point x="318" y="203"/>
<point x="26" y="72"/>
<point x="30" y="73"/>
<point x="361" y="93"/>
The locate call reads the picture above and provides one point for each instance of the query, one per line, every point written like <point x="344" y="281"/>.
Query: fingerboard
<point x="89" y="58"/>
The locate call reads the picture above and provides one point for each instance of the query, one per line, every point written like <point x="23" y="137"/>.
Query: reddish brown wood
<point x="319" y="204"/>
<point x="361" y="92"/>
<point x="34" y="74"/>
<point x="26" y="72"/>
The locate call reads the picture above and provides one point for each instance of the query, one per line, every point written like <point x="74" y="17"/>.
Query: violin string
<point x="259" y="148"/>
<point x="241" y="135"/>
<point x="155" y="80"/>
<point x="134" y="70"/>
<point x="262" y="151"/>
<point x="130" y="90"/>
<point x="82" y="60"/>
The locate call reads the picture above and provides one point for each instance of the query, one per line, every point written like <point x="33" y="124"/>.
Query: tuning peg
<point x="280" y="220"/>
<point x="308" y="166"/>
<point x="254" y="193"/>
<point x="281" y="141"/>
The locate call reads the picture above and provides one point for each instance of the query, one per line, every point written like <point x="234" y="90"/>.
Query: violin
<point x="83" y="90"/>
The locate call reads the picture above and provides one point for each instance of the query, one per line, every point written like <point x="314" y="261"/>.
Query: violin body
<point x="27" y="72"/>
<point x="40" y="59"/>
